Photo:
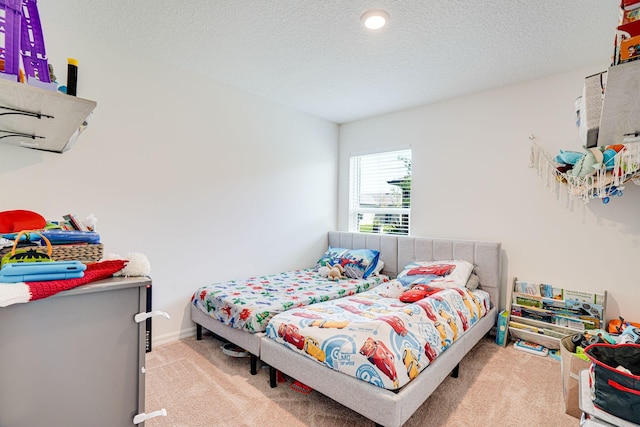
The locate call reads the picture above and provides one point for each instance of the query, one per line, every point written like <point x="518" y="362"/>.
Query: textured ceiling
<point x="314" y="55"/>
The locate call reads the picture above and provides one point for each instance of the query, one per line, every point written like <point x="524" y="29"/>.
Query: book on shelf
<point x="524" y="326"/>
<point x="586" y="297"/>
<point x="528" y="301"/>
<point x="567" y="320"/>
<point x="629" y="4"/>
<point x="532" y="313"/>
<point x="551" y="292"/>
<point x="527" y="288"/>
<point x="631" y="15"/>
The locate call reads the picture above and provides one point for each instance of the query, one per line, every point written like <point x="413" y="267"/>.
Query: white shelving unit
<point x="41" y="119"/>
<point x="538" y="331"/>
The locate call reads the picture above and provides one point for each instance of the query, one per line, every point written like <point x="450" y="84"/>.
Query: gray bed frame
<point x="388" y="247"/>
<point x="382" y="406"/>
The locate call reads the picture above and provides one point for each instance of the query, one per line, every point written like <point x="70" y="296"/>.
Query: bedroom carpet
<point x="202" y="387"/>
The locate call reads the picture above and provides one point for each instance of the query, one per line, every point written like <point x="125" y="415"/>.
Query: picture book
<point x="527" y="288"/>
<point x="524" y="327"/>
<point x="531" y="347"/>
<point x="529" y="302"/>
<point x="550" y="291"/>
<point x="588" y="297"/>
<point x="501" y="334"/>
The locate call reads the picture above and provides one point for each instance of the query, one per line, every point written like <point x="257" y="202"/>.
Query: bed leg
<point x="272" y="377"/>
<point x="455" y="371"/>
<point x="198" y="332"/>
<point x="254" y="363"/>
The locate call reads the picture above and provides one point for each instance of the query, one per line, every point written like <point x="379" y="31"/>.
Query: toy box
<point x="571" y="367"/>
<point x="615" y="371"/>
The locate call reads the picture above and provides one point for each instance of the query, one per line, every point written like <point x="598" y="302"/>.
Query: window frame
<point x="355" y="208"/>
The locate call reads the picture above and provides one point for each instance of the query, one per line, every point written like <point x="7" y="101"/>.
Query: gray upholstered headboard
<point x="398" y="251"/>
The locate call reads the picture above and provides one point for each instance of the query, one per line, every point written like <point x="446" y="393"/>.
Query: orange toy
<point x="616" y="326"/>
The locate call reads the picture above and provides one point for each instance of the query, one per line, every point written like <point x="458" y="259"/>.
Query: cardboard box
<point x="571" y="367"/>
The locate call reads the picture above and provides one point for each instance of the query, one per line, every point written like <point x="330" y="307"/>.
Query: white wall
<point x="209" y="182"/>
<point x="471" y="180"/>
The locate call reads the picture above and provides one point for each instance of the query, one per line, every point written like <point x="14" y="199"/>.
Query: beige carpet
<point x="202" y="387"/>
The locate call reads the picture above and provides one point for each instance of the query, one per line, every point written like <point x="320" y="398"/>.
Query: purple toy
<point x="23" y="36"/>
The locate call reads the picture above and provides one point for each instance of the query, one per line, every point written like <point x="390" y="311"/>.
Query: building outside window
<point x="380" y="192"/>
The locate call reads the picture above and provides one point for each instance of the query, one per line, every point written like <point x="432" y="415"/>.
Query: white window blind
<point x="380" y="192"/>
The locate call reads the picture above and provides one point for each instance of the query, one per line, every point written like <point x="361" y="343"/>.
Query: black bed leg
<point x="198" y="332"/>
<point x="254" y="363"/>
<point x="455" y="371"/>
<point x="272" y="377"/>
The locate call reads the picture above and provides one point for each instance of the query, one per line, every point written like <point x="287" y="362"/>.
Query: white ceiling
<point x="316" y="57"/>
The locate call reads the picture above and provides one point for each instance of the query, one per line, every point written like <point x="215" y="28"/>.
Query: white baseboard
<point x="171" y="337"/>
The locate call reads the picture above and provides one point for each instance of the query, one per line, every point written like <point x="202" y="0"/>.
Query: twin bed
<point x="359" y="345"/>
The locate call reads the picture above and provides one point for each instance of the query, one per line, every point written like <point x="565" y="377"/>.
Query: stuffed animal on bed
<point x="391" y="289"/>
<point x="334" y="272"/>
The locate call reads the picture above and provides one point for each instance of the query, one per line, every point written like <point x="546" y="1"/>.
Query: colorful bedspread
<point x="380" y="340"/>
<point x="249" y="304"/>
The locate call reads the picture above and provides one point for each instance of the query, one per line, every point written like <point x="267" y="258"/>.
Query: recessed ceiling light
<point x="374" y="19"/>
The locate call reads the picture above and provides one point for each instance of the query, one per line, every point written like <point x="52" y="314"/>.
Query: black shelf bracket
<point x="23" y="113"/>
<point x="19" y="135"/>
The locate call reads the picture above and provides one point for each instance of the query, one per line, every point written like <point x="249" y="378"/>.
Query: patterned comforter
<point x="249" y="304"/>
<point x="377" y="339"/>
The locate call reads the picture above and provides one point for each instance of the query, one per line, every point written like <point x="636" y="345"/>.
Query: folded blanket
<point x="14" y="293"/>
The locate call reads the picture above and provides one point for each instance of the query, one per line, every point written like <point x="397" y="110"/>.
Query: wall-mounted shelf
<point x="41" y="119"/>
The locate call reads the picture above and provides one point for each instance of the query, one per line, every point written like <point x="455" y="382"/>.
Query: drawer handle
<point x="140" y="418"/>
<point x="141" y="317"/>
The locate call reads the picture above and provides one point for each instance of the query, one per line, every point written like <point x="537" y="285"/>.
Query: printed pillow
<point x="359" y="263"/>
<point x="444" y="274"/>
<point x="379" y="266"/>
<point x="330" y="257"/>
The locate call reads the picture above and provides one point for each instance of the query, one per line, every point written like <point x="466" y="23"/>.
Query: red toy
<point x="418" y="292"/>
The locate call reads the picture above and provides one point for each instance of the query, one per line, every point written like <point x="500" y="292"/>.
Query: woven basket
<point x="83" y="253"/>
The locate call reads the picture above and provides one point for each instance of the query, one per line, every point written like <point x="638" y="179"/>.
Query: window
<point x="380" y="192"/>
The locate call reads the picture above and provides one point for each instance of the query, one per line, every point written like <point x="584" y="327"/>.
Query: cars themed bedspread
<point x="249" y="304"/>
<point x="377" y="339"/>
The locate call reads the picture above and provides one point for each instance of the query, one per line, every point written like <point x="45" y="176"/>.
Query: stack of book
<point x="627" y="45"/>
<point x="543" y="313"/>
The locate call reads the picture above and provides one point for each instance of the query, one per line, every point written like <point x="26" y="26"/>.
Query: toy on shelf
<point x="23" y="38"/>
